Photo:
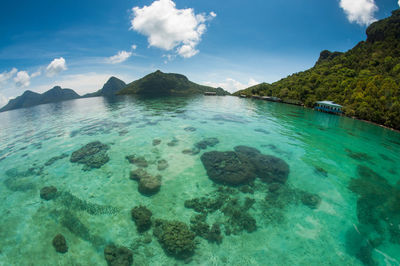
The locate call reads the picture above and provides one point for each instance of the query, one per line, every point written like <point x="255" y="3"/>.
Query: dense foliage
<point x="159" y="84"/>
<point x="365" y="80"/>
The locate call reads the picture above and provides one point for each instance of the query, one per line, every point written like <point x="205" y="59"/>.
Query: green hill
<point x="110" y="88"/>
<point x="365" y="79"/>
<point x="161" y="84"/>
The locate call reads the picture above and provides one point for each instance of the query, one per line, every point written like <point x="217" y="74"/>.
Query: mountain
<point x="110" y="88"/>
<point x="365" y="79"/>
<point x="29" y="98"/>
<point x="161" y="84"/>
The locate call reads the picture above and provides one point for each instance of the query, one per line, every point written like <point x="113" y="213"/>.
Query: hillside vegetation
<point x="160" y="84"/>
<point x="365" y="80"/>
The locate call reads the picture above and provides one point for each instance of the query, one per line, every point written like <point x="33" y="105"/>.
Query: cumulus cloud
<point x="120" y="57"/>
<point x="169" y="28"/>
<point x="399" y="2"/>
<point x="232" y="85"/>
<point x="22" y="79"/>
<point x="5" y="76"/>
<point x="3" y="100"/>
<point x="359" y="11"/>
<point x="56" y="66"/>
<point x="134" y="46"/>
<point x="36" y="74"/>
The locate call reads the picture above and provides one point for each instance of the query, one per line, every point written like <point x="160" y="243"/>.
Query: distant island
<point x="154" y="84"/>
<point x="110" y="88"/>
<point x="159" y="83"/>
<point x="365" y="80"/>
<point x="30" y="98"/>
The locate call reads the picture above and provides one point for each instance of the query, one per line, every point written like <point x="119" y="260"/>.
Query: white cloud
<point x="22" y="79"/>
<point x="3" y="100"/>
<point x="120" y="57"/>
<point x="56" y="66"/>
<point x="169" y="28"/>
<point x="359" y="11"/>
<point x="36" y="74"/>
<point x="232" y="85"/>
<point x="134" y="46"/>
<point x="5" y="76"/>
<point x="399" y="2"/>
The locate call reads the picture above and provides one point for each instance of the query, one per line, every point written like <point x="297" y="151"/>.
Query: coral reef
<point x="268" y="168"/>
<point x="225" y="199"/>
<point x="214" y="235"/>
<point x="378" y="205"/>
<point x="199" y="226"/>
<point x="21" y="180"/>
<point x="190" y="129"/>
<point x="148" y="184"/>
<point x="55" y="158"/>
<point x="310" y="200"/>
<point x="321" y="171"/>
<point x="99" y="127"/>
<point x="92" y="155"/>
<point x="156" y="142"/>
<point x="207" y="142"/>
<point x="243" y="165"/>
<point x="48" y="193"/>
<point x="118" y="256"/>
<point x="67" y="219"/>
<point x="173" y="142"/>
<point x="239" y="218"/>
<point x="228" y="167"/>
<point x="162" y="165"/>
<point x="175" y="237"/>
<point x="142" y="217"/>
<point x="138" y="161"/>
<point x="359" y="156"/>
<point x="60" y="244"/>
<point x="74" y="203"/>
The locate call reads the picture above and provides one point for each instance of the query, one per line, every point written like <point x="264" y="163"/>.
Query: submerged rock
<point x="207" y="142"/>
<point x="162" y="165"/>
<point x="118" y="256"/>
<point x="138" y="161"/>
<point x="269" y="168"/>
<point x="156" y="142"/>
<point x="142" y="217"/>
<point x="60" y="244"/>
<point x="190" y="129"/>
<point x="173" y="142"/>
<point x="55" y="158"/>
<point x="378" y="205"/>
<point x="138" y="174"/>
<point x="310" y="200"/>
<point x="214" y="235"/>
<point x="175" y="238"/>
<point x="228" y="167"/>
<point x="242" y="166"/>
<point x="148" y="184"/>
<point x="92" y="155"/>
<point x="48" y="193"/>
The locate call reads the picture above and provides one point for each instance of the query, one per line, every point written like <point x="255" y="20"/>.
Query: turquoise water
<point x="352" y="168"/>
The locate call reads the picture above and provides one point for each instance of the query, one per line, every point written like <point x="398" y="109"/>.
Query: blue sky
<point x="231" y="43"/>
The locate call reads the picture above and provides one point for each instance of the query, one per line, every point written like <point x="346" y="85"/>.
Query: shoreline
<point x="302" y="105"/>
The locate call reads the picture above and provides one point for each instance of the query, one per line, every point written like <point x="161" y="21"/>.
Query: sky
<point x="232" y="43"/>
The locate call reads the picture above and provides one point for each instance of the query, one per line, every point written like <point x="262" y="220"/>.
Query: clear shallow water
<point x="324" y="153"/>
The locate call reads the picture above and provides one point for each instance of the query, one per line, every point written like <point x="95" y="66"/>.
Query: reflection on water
<point x="175" y="180"/>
